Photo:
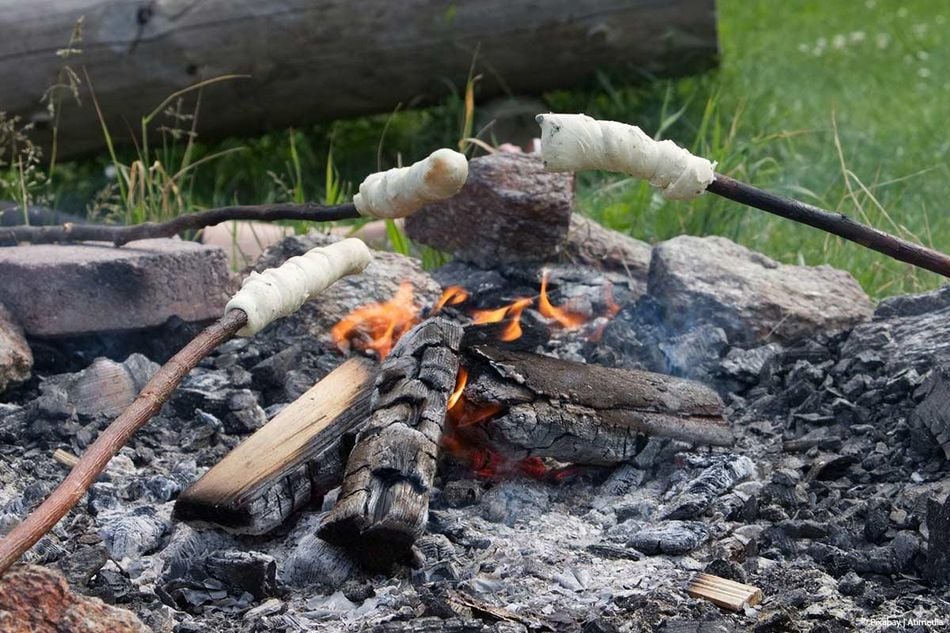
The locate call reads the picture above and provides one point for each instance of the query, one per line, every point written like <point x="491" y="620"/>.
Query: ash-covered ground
<point x="832" y="501"/>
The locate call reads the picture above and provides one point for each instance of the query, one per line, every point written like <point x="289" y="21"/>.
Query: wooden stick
<point x="119" y="235"/>
<point x="834" y="223"/>
<point x="95" y="459"/>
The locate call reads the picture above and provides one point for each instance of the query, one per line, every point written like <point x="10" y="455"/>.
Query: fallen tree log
<point x="588" y="414"/>
<point x="318" y="61"/>
<point x="293" y="459"/>
<point x="384" y="501"/>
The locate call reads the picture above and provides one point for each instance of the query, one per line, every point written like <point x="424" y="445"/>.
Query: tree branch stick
<point x="95" y="459"/>
<point x="834" y="223"/>
<point x="119" y="235"/>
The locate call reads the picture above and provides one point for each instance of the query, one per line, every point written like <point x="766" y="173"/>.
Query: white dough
<point x="576" y="142"/>
<point x="279" y="292"/>
<point x="402" y="191"/>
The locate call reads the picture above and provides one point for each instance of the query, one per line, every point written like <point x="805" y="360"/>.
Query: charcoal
<point x="931" y="417"/>
<point x="696" y="353"/>
<point x="713" y="482"/>
<point x="876" y="524"/>
<point x="161" y="488"/>
<point x="512" y="501"/>
<point x="851" y="584"/>
<point x="622" y="480"/>
<point x="804" y="528"/>
<point x="746" y="365"/>
<point x="669" y="537"/>
<point x="253" y="572"/>
<point x="461" y="493"/>
<point x="110" y="585"/>
<point x="134" y="533"/>
<point x="435" y="548"/>
<point x="316" y="562"/>
<point x="697" y="626"/>
<point x="938" y="546"/>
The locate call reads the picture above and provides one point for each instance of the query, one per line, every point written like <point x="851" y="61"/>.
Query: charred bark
<point x="384" y="501"/>
<point x="296" y="457"/>
<point x="574" y="412"/>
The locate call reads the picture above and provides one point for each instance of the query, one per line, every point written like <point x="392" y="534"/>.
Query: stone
<point x="712" y="280"/>
<point x="510" y="210"/>
<point x="38" y="600"/>
<point x="590" y="244"/>
<point x="16" y="358"/>
<point x="105" y="388"/>
<point x="64" y="290"/>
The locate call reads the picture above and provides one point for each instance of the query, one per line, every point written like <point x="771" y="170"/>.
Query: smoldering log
<point x="384" y="501"/>
<point x="574" y="412"/>
<point x="296" y="457"/>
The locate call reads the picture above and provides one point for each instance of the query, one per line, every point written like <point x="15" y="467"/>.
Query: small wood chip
<point x="65" y="458"/>
<point x="724" y="593"/>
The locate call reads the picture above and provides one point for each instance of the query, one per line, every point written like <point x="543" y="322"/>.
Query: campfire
<point x="611" y="436"/>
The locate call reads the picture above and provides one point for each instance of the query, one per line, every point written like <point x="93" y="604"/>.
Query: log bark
<point x="293" y="459"/>
<point x="580" y="413"/>
<point x="384" y="501"/>
<point x="312" y="61"/>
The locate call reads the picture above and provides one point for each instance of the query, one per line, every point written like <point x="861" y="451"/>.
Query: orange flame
<point x="566" y="318"/>
<point x="512" y="311"/>
<point x="460" y="381"/>
<point x="377" y="326"/>
<point x="451" y="296"/>
<point x="612" y="306"/>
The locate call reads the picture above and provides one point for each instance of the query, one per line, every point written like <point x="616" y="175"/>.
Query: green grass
<point x="842" y="104"/>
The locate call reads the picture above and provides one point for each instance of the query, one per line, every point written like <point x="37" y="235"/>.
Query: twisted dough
<point x="402" y="191"/>
<point x="576" y="142"/>
<point x="279" y="292"/>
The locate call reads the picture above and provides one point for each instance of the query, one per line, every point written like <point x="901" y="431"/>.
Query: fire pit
<point x="593" y="435"/>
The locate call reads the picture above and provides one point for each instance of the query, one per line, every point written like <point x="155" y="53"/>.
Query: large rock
<point x="16" y="359"/>
<point x="590" y="244"/>
<point x="714" y="281"/>
<point x="62" y="290"/>
<point x="37" y="600"/>
<point x="510" y="210"/>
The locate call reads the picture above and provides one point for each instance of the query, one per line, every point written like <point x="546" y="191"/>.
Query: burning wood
<point x="378" y="326"/>
<point x="296" y="457"/>
<point x="384" y="501"/>
<point x="574" y="412"/>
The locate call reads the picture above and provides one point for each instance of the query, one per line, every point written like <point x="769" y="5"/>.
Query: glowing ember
<point x="512" y="312"/>
<point x="567" y="319"/>
<point x="451" y="296"/>
<point x="377" y="326"/>
<point x="612" y="306"/>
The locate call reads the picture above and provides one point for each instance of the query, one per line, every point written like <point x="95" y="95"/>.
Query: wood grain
<point x="297" y="456"/>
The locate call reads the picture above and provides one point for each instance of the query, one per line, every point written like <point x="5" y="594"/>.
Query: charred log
<point x="581" y="413"/>
<point x="294" y="458"/>
<point x="384" y="501"/>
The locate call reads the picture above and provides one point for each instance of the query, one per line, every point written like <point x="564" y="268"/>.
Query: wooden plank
<point x="724" y="593"/>
<point x="297" y="456"/>
<point x="317" y="61"/>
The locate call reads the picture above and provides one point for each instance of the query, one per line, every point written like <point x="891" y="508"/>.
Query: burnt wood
<point x="383" y="504"/>
<point x="294" y="458"/>
<point x="574" y="412"/>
